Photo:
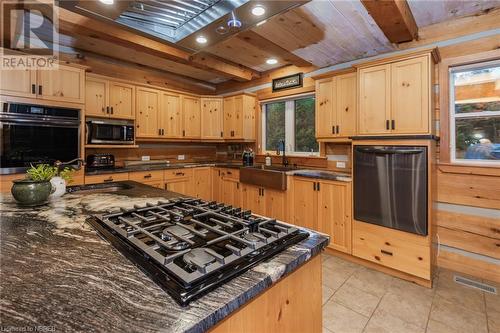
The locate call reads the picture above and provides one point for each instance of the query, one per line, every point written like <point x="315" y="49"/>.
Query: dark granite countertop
<point x="162" y="166"/>
<point x="321" y="174"/>
<point x="56" y="271"/>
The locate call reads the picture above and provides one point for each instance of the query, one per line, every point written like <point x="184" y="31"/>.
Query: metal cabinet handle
<point x="107" y="109"/>
<point x="110" y="179"/>
<point x="337" y="129"/>
<point x="318" y="186"/>
<point x="393" y="124"/>
<point x="333" y="129"/>
<point x="148" y="176"/>
<point x="387" y="124"/>
<point x="179" y="173"/>
<point x="33" y="89"/>
<point x="386" y="252"/>
<point x="39" y="90"/>
<point x="159" y="131"/>
<point x="111" y="110"/>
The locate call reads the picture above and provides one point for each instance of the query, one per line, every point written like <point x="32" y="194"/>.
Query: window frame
<point x="289" y="124"/>
<point x="452" y="116"/>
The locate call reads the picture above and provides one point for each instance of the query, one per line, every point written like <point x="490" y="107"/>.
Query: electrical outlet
<point x="181" y="157"/>
<point x="341" y="165"/>
<point x="145" y="158"/>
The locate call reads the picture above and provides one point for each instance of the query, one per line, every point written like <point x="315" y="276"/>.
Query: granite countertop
<point x="162" y="166"/>
<point x="321" y="174"/>
<point x="57" y="272"/>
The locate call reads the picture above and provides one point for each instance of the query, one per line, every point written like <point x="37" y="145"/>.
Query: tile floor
<point x="358" y="299"/>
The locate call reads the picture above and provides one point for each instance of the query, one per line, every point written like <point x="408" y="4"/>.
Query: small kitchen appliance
<point x="247" y="157"/>
<point x="100" y="161"/>
<point x="110" y="131"/>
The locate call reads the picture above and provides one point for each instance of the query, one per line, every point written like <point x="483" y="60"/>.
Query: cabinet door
<point x="346" y="105"/>
<point x="211" y="118"/>
<point x="169" y="115"/>
<point x="216" y="185"/>
<point x="238" y="118"/>
<point x="253" y="199"/>
<point x="147" y="113"/>
<point x="178" y="185"/>
<point x="121" y="100"/>
<point x="325" y="107"/>
<point x="304" y="203"/>
<point x="410" y="96"/>
<point x="231" y="193"/>
<point x="275" y="204"/>
<point x="203" y="183"/>
<point x="65" y="84"/>
<point x="191" y="117"/>
<point x="96" y="99"/>
<point x="228" y="117"/>
<point x="374" y="112"/>
<point x="334" y="217"/>
<point x="21" y="83"/>
<point x="249" y="115"/>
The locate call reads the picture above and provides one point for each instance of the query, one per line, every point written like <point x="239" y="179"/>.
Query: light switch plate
<point x="341" y="165"/>
<point x="145" y="158"/>
<point x="181" y="157"/>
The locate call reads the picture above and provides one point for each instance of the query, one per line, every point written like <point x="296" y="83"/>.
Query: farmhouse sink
<point x="273" y="177"/>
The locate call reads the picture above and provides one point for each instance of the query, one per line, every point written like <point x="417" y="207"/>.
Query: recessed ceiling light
<point x="107" y="2"/>
<point x="258" y="10"/>
<point x="271" y="61"/>
<point x="201" y="39"/>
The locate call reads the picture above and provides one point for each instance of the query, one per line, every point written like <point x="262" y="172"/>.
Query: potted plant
<point x="35" y="189"/>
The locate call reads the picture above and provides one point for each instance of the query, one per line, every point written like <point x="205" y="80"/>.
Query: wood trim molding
<point x="469" y="169"/>
<point x="444" y="93"/>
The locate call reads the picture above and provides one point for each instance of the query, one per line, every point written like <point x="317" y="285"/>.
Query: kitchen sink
<point x="96" y="188"/>
<point x="273" y="177"/>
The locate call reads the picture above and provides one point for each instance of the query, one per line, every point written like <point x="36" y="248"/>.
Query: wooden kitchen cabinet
<point x="180" y="185"/>
<point x="121" y="100"/>
<point x="336" y="106"/>
<point x="263" y="201"/>
<point x="109" y="99"/>
<point x="202" y="179"/>
<point x="147" y="113"/>
<point x="66" y="84"/>
<point x="239" y="117"/>
<point x="324" y="206"/>
<point x="180" y="181"/>
<point x="231" y="192"/>
<point x="96" y="97"/>
<point x="20" y="83"/>
<point x="106" y="178"/>
<point x="275" y="204"/>
<point x="395" y="98"/>
<point x="169" y="115"/>
<point x="191" y="115"/>
<point x="211" y="118"/>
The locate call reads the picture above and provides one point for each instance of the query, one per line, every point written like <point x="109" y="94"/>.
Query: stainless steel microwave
<point x="115" y="132"/>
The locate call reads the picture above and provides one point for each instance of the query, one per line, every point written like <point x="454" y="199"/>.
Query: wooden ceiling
<point x="317" y="34"/>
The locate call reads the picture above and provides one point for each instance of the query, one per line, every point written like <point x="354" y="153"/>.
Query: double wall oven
<point x="32" y="134"/>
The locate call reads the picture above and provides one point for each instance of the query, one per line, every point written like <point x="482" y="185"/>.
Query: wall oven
<point x="115" y="132"/>
<point x="32" y="134"/>
<point x="390" y="187"/>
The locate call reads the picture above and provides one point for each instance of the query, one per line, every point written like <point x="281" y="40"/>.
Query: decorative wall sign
<point x="288" y="82"/>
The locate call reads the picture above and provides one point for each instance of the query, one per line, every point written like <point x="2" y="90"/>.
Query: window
<point x="291" y="121"/>
<point x="475" y="113"/>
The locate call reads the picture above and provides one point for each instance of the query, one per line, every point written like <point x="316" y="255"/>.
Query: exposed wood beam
<point x="394" y="18"/>
<point x="72" y="24"/>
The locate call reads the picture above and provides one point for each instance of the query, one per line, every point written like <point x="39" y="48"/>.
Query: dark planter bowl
<point x="31" y="193"/>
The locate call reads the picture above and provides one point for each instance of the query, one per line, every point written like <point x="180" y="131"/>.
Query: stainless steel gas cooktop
<point x="190" y="246"/>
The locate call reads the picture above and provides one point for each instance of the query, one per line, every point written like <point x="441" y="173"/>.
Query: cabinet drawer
<point x="147" y="176"/>
<point x="230" y="173"/>
<point x="395" y="249"/>
<point x="109" y="177"/>
<point x="178" y="173"/>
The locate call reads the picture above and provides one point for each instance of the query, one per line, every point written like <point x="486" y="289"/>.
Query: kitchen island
<point x="58" y="273"/>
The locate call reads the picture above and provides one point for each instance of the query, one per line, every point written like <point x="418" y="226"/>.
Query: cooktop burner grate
<point x="190" y="246"/>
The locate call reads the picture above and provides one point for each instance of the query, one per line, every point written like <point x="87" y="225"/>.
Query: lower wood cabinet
<point x="180" y="181"/>
<point x="324" y="206"/>
<point x="226" y="186"/>
<point x="263" y="201"/>
<point x="202" y="183"/>
<point x="396" y="249"/>
<point x="106" y="178"/>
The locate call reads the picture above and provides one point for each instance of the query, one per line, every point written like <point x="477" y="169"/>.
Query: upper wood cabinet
<point x="169" y="115"/>
<point x="66" y="84"/>
<point x="336" y="106"/>
<point x="110" y="99"/>
<point x="239" y="117"/>
<point x="211" y="118"/>
<point x="191" y="115"/>
<point x="147" y="113"/>
<point x="395" y="98"/>
<point x="324" y="206"/>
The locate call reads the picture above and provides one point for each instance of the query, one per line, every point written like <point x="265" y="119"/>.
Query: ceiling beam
<point x="394" y="18"/>
<point x="75" y="24"/>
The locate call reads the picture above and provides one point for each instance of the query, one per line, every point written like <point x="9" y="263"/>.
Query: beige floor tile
<point x="356" y="299"/>
<point x="335" y="277"/>
<point x="493" y="311"/>
<point x="385" y="322"/>
<point x="408" y="306"/>
<point x="327" y="293"/>
<point x="371" y="281"/>
<point x="336" y="262"/>
<point x="492" y="302"/>
<point x="469" y="298"/>
<point x="326" y="330"/>
<point x="402" y="286"/>
<point x="339" y="319"/>
<point x="450" y="315"/>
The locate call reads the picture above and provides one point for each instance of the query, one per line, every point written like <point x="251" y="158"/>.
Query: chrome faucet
<point x="284" y="159"/>
<point x="60" y="165"/>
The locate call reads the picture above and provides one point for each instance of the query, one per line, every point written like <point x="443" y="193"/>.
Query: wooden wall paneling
<point x="469" y="242"/>
<point x="471" y="266"/>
